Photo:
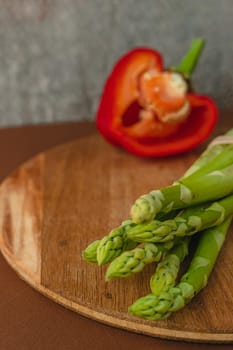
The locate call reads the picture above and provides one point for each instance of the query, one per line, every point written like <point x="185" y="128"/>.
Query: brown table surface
<point x="29" y="320"/>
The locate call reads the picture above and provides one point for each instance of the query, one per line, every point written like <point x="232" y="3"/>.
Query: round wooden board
<point x="55" y="204"/>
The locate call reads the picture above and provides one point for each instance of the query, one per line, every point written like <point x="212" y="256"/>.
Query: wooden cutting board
<point x="52" y="206"/>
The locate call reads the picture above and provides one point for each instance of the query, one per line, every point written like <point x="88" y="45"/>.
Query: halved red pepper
<point x="118" y="115"/>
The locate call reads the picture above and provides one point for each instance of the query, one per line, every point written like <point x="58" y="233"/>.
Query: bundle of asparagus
<point x="161" y="228"/>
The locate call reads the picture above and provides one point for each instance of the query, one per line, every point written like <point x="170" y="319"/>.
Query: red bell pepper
<point x="138" y="97"/>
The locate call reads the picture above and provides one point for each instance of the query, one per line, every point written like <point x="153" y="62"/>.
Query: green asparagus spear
<point x="220" y="161"/>
<point x="156" y="307"/>
<point x="187" y="223"/>
<point x="187" y="192"/>
<point x="167" y="270"/>
<point x="90" y="253"/>
<point x="114" y="243"/>
<point x="133" y="261"/>
<point x="207" y="157"/>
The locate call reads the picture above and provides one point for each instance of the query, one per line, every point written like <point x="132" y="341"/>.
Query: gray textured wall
<point x="56" y="54"/>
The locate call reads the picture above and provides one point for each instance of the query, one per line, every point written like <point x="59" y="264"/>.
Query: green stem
<point x="190" y="60"/>
<point x="167" y="270"/>
<point x="187" y="223"/>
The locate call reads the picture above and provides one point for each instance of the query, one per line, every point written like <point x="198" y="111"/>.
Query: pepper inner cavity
<point x="161" y="107"/>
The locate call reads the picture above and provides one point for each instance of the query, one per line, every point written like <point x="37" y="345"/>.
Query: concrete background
<point x="56" y="54"/>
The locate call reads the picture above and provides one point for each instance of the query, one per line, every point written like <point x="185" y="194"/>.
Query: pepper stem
<point x="190" y="60"/>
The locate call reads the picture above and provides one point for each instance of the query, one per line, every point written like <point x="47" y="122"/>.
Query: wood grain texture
<point x="21" y="217"/>
<point x="58" y="202"/>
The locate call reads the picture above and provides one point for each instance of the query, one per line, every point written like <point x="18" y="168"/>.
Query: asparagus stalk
<point x="221" y="160"/>
<point x="131" y="262"/>
<point x="156" y="307"/>
<point x="168" y="269"/>
<point x="187" y="223"/>
<point x="114" y="243"/>
<point x="207" y="156"/>
<point x="185" y="193"/>
<point x="90" y="253"/>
